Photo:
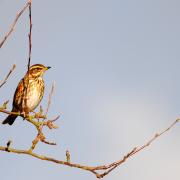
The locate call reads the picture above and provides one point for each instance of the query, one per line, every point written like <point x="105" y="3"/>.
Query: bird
<point x="29" y="92"/>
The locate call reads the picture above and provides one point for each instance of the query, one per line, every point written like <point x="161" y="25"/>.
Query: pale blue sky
<point x="116" y="66"/>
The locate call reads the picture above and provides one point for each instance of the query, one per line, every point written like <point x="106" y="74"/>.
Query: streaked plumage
<point x="29" y="92"/>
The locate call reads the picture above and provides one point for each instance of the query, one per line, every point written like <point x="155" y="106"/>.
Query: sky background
<point x="116" y="67"/>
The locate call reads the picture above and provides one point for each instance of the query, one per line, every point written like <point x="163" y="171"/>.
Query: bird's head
<point x="37" y="70"/>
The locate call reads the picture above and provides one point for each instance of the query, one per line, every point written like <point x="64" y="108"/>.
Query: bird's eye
<point x="38" y="69"/>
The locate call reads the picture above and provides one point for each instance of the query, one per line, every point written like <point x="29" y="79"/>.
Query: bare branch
<point x="6" y="78"/>
<point x="96" y="170"/>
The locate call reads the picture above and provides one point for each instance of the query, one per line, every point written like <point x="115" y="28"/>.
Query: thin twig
<point x="135" y="150"/>
<point x="50" y="98"/>
<point x="14" y="23"/>
<point x="29" y="57"/>
<point x="9" y="112"/>
<point x="6" y="78"/>
<point x="30" y="35"/>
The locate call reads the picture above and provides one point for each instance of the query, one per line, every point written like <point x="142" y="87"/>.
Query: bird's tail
<point x="10" y="119"/>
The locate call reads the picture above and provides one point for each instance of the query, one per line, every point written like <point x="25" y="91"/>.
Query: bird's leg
<point x="25" y="114"/>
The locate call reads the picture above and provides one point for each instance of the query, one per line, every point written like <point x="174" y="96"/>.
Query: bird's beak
<point x="48" y="67"/>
